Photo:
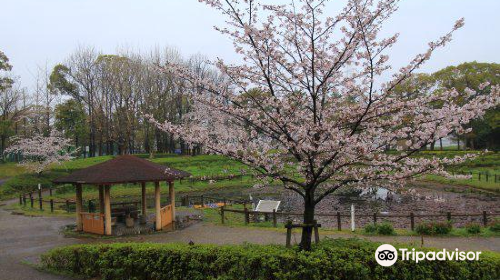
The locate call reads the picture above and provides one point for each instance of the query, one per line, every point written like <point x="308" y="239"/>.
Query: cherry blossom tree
<point x="312" y="97"/>
<point x="39" y="152"/>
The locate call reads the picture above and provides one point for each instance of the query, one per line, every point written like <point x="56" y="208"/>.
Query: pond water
<point x="416" y="197"/>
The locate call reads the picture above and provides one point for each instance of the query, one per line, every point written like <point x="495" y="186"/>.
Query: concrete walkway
<point x="23" y="239"/>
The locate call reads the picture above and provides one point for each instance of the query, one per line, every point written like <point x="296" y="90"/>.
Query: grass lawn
<point x="486" y="163"/>
<point x="10" y="169"/>
<point x="213" y="165"/>
<point x="199" y="166"/>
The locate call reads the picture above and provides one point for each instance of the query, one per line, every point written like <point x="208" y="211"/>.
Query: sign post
<point x="353" y="223"/>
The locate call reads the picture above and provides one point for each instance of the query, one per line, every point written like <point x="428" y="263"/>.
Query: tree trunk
<point x="309" y="207"/>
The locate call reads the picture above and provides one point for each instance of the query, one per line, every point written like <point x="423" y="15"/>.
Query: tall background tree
<point x="485" y="132"/>
<point x="309" y="98"/>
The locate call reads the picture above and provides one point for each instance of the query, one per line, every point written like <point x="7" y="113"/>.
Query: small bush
<point x="495" y="225"/>
<point x="434" y="228"/>
<point x="385" y="229"/>
<point x="442" y="227"/>
<point x="382" y="229"/>
<point x="473" y="228"/>
<point x="370" y="228"/>
<point x="331" y="259"/>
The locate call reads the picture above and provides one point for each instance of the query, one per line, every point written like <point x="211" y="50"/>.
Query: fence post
<point x="40" y="202"/>
<point x="67" y="205"/>
<point x="222" y="214"/>
<point x="339" y="225"/>
<point x="412" y="221"/>
<point x="448" y="216"/>
<point x="353" y="218"/>
<point x="51" y="205"/>
<point x="288" y="233"/>
<point x="485" y="219"/>
<point x="374" y="219"/>
<point x="274" y="218"/>
<point x="247" y="216"/>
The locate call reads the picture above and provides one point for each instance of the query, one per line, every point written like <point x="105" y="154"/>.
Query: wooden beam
<point x="107" y="210"/>
<point x="101" y="199"/>
<point x="171" y="193"/>
<point x="157" y="206"/>
<point x="79" y="222"/>
<point x="143" y="203"/>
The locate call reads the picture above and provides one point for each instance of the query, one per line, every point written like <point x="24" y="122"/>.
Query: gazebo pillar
<point x="143" y="203"/>
<point x="107" y="210"/>
<point x="157" y="206"/>
<point x="171" y="193"/>
<point x="101" y="199"/>
<point x="79" y="222"/>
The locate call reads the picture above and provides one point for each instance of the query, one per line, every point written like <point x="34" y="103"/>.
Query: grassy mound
<point x="27" y="182"/>
<point x="332" y="259"/>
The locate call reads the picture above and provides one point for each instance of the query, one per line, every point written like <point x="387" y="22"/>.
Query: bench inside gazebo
<point x="125" y="169"/>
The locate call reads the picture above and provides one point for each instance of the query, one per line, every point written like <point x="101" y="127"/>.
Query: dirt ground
<point x="23" y="239"/>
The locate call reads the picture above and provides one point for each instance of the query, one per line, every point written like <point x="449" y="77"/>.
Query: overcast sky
<point x="44" y="32"/>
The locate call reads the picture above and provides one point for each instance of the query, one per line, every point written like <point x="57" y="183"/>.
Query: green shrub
<point x="331" y="259"/>
<point x="434" y="228"/>
<point x="370" y="229"/>
<point x="382" y="229"/>
<point x="495" y="225"/>
<point x="424" y="229"/>
<point x="385" y="229"/>
<point x="442" y="227"/>
<point x="473" y="228"/>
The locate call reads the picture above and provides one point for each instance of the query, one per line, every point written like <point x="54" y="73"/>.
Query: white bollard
<point x="353" y="223"/>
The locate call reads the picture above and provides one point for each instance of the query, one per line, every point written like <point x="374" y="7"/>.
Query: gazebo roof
<point x="122" y="169"/>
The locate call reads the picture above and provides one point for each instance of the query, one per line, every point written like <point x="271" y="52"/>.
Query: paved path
<point x="23" y="239"/>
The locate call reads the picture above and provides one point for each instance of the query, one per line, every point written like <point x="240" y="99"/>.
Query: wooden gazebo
<point x="122" y="170"/>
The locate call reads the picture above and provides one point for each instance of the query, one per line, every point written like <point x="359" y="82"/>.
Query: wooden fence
<point x="203" y="200"/>
<point x="485" y="216"/>
<point x="69" y="205"/>
<point x="480" y="176"/>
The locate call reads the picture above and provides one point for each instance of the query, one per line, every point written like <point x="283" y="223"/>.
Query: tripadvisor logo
<point x="387" y="255"/>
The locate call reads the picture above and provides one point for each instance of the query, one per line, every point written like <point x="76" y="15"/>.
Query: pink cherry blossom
<point x="310" y="98"/>
<point x="39" y="152"/>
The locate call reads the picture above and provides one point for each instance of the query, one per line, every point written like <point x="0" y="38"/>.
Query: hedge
<point x="332" y="259"/>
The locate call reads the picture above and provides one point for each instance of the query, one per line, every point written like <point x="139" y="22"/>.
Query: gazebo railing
<point x="93" y="222"/>
<point x="166" y="215"/>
